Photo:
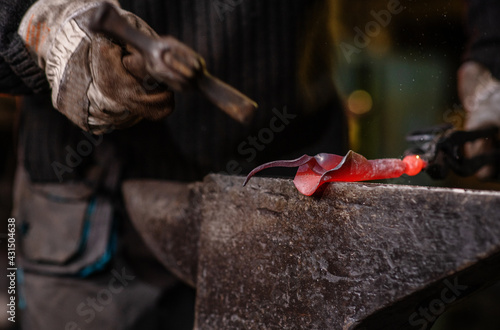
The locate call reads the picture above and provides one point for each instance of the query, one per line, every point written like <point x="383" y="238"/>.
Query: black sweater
<point x="18" y="73"/>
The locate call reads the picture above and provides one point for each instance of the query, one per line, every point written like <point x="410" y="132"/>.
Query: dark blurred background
<point x="403" y="80"/>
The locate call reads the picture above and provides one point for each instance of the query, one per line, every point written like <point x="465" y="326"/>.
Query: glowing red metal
<point x="314" y="171"/>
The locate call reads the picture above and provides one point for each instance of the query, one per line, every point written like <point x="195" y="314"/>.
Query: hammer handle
<point x="107" y="20"/>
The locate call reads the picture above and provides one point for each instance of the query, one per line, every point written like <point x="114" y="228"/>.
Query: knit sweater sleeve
<point x="484" y="34"/>
<point x="19" y="73"/>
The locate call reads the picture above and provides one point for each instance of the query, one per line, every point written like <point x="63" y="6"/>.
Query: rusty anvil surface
<point x="356" y="256"/>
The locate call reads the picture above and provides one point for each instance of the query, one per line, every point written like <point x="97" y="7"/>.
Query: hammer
<point x="167" y="59"/>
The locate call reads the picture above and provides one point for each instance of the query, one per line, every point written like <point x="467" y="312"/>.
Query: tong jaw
<point x="443" y="149"/>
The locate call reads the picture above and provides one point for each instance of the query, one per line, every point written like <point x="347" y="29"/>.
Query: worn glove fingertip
<point x="134" y="64"/>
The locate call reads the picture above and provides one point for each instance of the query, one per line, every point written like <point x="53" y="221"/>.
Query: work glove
<point x="479" y="93"/>
<point x="97" y="83"/>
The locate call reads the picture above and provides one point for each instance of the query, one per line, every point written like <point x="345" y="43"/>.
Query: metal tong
<point x="155" y="51"/>
<point x="442" y="147"/>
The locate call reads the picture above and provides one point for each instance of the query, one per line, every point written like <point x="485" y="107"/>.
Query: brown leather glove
<point x="97" y="83"/>
<point x="479" y="92"/>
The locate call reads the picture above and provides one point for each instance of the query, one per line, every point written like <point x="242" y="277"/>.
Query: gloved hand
<point x="479" y="92"/>
<point x="97" y="83"/>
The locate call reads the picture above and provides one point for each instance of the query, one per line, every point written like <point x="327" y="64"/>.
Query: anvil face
<point x="359" y="255"/>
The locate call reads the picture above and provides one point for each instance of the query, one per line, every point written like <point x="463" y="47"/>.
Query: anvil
<point x="354" y="256"/>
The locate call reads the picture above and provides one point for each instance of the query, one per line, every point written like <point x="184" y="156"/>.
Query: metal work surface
<point x="354" y="256"/>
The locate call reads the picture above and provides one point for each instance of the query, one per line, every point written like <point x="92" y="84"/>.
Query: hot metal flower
<point x="314" y="171"/>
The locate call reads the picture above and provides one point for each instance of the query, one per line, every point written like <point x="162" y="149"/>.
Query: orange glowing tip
<point x="414" y="164"/>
